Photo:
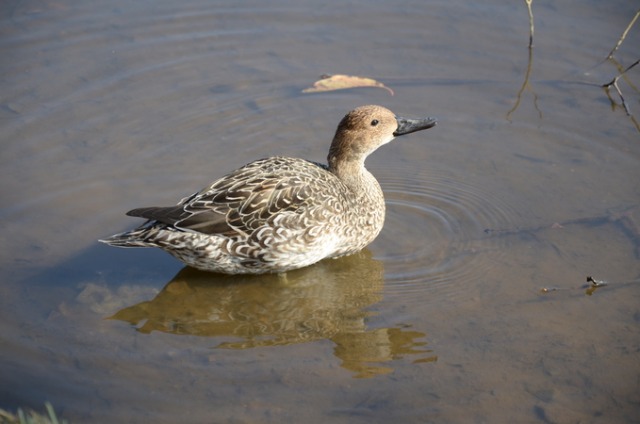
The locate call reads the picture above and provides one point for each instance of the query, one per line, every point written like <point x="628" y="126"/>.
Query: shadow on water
<point x="329" y="300"/>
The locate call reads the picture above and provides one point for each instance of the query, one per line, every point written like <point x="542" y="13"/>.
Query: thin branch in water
<point x="622" y="71"/>
<point x="614" y="83"/>
<point x="614" y="104"/>
<point x="622" y="100"/>
<point x="623" y="218"/>
<point x="530" y="22"/>
<point x="525" y="83"/>
<point x="623" y="36"/>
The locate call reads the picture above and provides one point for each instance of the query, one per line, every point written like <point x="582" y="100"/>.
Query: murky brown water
<point x="106" y="106"/>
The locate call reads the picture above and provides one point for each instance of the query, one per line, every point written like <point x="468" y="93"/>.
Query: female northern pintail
<point x="280" y="213"/>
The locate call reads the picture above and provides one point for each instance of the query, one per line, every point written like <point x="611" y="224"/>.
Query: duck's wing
<point x="247" y="198"/>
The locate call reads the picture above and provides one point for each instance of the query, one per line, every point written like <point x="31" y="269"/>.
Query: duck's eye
<point x="374" y="122"/>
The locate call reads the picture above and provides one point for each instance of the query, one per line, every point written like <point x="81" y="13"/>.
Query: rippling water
<point x="439" y="230"/>
<point x="529" y="182"/>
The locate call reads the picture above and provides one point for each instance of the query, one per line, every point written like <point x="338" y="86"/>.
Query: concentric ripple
<point x="435" y="231"/>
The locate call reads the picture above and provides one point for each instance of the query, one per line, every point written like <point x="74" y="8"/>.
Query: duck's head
<point x="366" y="128"/>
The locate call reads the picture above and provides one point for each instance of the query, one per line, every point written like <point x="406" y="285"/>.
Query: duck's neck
<point x="357" y="178"/>
<point x="346" y="160"/>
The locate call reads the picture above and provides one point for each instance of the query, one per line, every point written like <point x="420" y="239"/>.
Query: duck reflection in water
<point x="326" y="301"/>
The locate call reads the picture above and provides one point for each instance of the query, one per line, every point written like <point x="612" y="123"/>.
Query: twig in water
<point x="614" y="83"/>
<point x="531" y="22"/>
<point x="526" y="86"/>
<point x="623" y="36"/>
<point x="525" y="83"/>
<point x="625" y="220"/>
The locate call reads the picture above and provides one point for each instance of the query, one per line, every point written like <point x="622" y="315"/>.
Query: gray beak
<point x="407" y="126"/>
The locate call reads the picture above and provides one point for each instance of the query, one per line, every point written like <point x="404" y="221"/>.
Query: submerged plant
<point x="31" y="417"/>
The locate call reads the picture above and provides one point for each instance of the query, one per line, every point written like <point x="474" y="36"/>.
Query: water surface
<point x="529" y="182"/>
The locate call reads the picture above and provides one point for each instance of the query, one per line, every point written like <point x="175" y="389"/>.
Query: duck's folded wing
<point x="236" y="204"/>
<point x="246" y="206"/>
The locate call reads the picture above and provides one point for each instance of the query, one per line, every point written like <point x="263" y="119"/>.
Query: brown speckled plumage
<point x="280" y="213"/>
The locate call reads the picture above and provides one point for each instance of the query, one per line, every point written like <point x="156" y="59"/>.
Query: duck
<point x="280" y="213"/>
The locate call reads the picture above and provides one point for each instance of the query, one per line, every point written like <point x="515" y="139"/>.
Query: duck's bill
<point x="407" y="126"/>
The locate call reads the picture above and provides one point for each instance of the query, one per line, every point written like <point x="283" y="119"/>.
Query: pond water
<point x="471" y="306"/>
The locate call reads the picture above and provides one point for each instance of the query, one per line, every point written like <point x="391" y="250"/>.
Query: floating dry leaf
<point x="342" y="82"/>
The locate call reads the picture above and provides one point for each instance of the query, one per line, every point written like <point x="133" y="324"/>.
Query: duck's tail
<point x="138" y="237"/>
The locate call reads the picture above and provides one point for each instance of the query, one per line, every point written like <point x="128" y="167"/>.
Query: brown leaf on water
<point x="342" y="82"/>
